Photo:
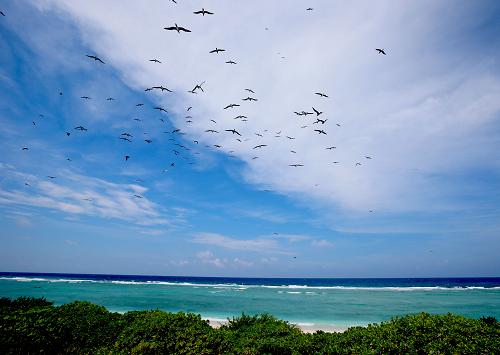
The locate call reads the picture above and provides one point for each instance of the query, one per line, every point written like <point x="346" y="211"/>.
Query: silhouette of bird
<point x="51" y="177"/>
<point x="203" y="12"/>
<point x="138" y="196"/>
<point x="258" y="134"/>
<point x="127" y="157"/>
<point x="250" y="90"/>
<point x="233" y="131"/>
<point x="217" y="146"/>
<point x="309" y="9"/>
<point x="85" y="97"/>
<point x="320" y="131"/>
<point x="240" y="116"/>
<point x="211" y="131"/>
<point x="125" y="139"/>
<point x="336" y="162"/>
<point x="231" y="106"/>
<point x="148" y="89"/>
<point x="320" y="121"/>
<point x="189" y="108"/>
<point x="317" y="112"/>
<point x="368" y="157"/>
<point x="80" y="128"/>
<point x="161" y="109"/>
<point x="296" y="165"/>
<point x="110" y="99"/>
<point x="1" y="13"/>
<point x="230" y="62"/>
<point x="260" y="146"/>
<point x="68" y="134"/>
<point x="321" y="94"/>
<point x="330" y="148"/>
<point x="139" y="105"/>
<point x="25" y="148"/>
<point x="217" y="50"/>
<point x="126" y="134"/>
<point x="213" y="121"/>
<point x="357" y="164"/>
<point x="162" y="88"/>
<point x="249" y="99"/>
<point x="290" y="137"/>
<point x="380" y="51"/>
<point x="95" y="58"/>
<point x="154" y="60"/>
<point x="176" y="28"/>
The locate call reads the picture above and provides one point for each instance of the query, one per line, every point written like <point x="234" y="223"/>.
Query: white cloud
<point x="207" y="257"/>
<point x="260" y="245"/>
<point x="419" y="111"/>
<point x="77" y="194"/>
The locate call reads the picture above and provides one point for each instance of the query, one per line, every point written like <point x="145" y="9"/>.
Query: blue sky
<point x="427" y="114"/>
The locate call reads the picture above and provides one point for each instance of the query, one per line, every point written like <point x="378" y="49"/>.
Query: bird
<point x="321" y="94"/>
<point x="211" y="131"/>
<point x="317" y="112"/>
<point x="231" y="62"/>
<point x="231" y="106"/>
<point x="1" y="13"/>
<point x="249" y="99"/>
<point x="320" y="121"/>
<point x="309" y="9"/>
<point x="296" y="165"/>
<point x="260" y="146"/>
<point x="126" y="134"/>
<point x="250" y="90"/>
<point x="110" y="99"/>
<point x="233" y="131"/>
<point x="160" y="109"/>
<point x="25" y="148"/>
<point x="214" y="121"/>
<point x="51" y="177"/>
<point x="336" y="162"/>
<point x="80" y="128"/>
<point x="176" y="28"/>
<point x="357" y="164"/>
<point x="217" y="50"/>
<point x="127" y="157"/>
<point x="320" y="131"/>
<point x="368" y="157"/>
<point x="139" y="105"/>
<point x="240" y="116"/>
<point x="138" y="196"/>
<point x="148" y="89"/>
<point x="258" y="134"/>
<point x="203" y="12"/>
<point x="330" y="148"/>
<point x="293" y="151"/>
<point x="34" y="124"/>
<point x="162" y="88"/>
<point x="290" y="137"/>
<point x="85" y="97"/>
<point x="176" y="130"/>
<point x="95" y="58"/>
<point x="155" y="60"/>
<point x="217" y="146"/>
<point x="189" y="108"/>
<point x="125" y="139"/>
<point x="68" y="134"/>
<point x="380" y="51"/>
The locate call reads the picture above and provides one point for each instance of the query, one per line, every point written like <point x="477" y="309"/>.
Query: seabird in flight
<point x="231" y="106"/>
<point x="233" y="131"/>
<point x="127" y="157"/>
<point x="249" y="99"/>
<point x="203" y="12"/>
<point x="296" y="165"/>
<point x="155" y="60"/>
<point x="81" y="128"/>
<point x="217" y="50"/>
<point x="230" y="62"/>
<point x="95" y="58"/>
<point x="161" y="109"/>
<point x="380" y="51"/>
<point x="320" y="131"/>
<point x="321" y="94"/>
<point x="176" y="28"/>
<point x="260" y="146"/>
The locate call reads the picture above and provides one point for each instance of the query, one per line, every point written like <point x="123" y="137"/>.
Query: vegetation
<point x="30" y="325"/>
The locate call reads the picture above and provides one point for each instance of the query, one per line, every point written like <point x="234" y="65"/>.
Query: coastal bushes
<point x="29" y="325"/>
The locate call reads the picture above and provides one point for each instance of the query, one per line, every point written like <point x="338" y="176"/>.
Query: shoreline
<point x="305" y="327"/>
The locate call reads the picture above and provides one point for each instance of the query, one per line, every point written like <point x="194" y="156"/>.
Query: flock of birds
<point x="319" y="125"/>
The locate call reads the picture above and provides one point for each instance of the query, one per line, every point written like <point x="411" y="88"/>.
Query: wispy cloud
<point x="207" y="257"/>
<point x="77" y="194"/>
<point x="259" y="245"/>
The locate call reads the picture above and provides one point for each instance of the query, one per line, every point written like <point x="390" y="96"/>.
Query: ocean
<point x="314" y="303"/>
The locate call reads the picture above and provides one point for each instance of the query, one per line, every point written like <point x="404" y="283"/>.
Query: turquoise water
<point x="307" y="303"/>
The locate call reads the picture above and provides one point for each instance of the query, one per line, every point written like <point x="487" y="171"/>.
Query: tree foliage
<point x="30" y="325"/>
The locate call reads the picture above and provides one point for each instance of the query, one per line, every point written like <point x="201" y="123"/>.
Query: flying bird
<point x="203" y="12"/>
<point x="250" y="90"/>
<point x="162" y="88"/>
<point x="217" y="50"/>
<point x="321" y="94"/>
<point x="296" y="165"/>
<point x="357" y="164"/>
<point x="125" y="139"/>
<point x="330" y="148"/>
<point x="127" y="157"/>
<point x="320" y="131"/>
<point x="317" y="112"/>
<point x="25" y="148"/>
<point x="110" y="99"/>
<point x="320" y="121"/>
<point x="126" y="134"/>
<point x="211" y="131"/>
<point x="260" y="146"/>
<point x="176" y="28"/>
<point x="155" y="60"/>
<point x="213" y="121"/>
<point x="80" y="128"/>
<point x="230" y="62"/>
<point x="139" y="105"/>
<point x="249" y="99"/>
<point x="68" y="134"/>
<point x="380" y="51"/>
<point x="161" y="109"/>
<point x="51" y="177"/>
<point x="368" y="157"/>
<point x="138" y="196"/>
<point x="189" y="108"/>
<point x="231" y="106"/>
<point x="233" y="131"/>
<point x="1" y="13"/>
<point x="85" y="97"/>
<point x="95" y="58"/>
